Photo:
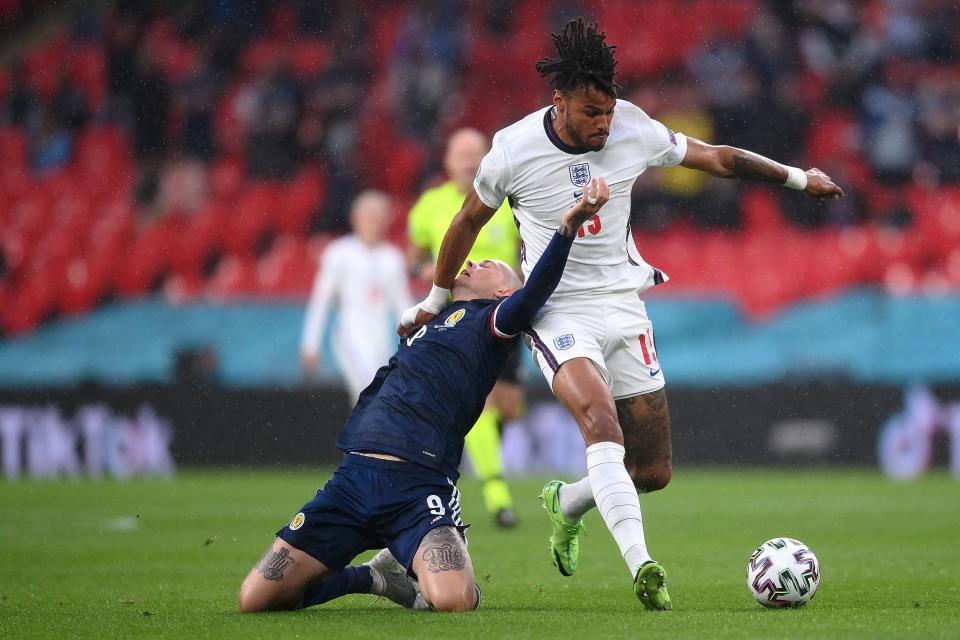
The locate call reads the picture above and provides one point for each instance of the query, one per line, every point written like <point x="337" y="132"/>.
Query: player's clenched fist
<point x="594" y="197"/>
<point x="820" y="186"/>
<point x="424" y="311"/>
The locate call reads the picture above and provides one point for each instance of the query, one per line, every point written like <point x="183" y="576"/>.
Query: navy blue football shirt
<point x="423" y="402"/>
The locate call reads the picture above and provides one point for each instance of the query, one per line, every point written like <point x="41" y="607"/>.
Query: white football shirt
<point x="543" y="177"/>
<point x="371" y="290"/>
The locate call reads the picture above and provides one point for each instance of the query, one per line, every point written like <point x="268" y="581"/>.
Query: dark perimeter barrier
<point x="151" y="430"/>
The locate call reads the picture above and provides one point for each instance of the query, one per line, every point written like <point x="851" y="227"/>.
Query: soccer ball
<point x="783" y="572"/>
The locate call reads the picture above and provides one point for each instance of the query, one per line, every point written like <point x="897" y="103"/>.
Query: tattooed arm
<point x="731" y="162"/>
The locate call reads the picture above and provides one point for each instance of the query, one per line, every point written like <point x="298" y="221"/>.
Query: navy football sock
<point x="339" y="583"/>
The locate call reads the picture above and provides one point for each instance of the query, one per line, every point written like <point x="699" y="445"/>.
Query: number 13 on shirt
<point x="591" y="226"/>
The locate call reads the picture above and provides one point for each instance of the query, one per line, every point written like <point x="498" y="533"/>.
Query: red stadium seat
<point x="235" y="276"/>
<point x="254" y="216"/>
<point x="263" y="55"/>
<point x="149" y="257"/>
<point x="402" y="166"/>
<point x="760" y="210"/>
<point x="81" y="289"/>
<point x="182" y="287"/>
<point x="301" y="200"/>
<point x="310" y="57"/>
<point x="202" y="238"/>
<point x="175" y="56"/>
<point x="938" y="219"/>
<point x="88" y="69"/>
<point x="677" y="253"/>
<point x="834" y="268"/>
<point x="44" y="65"/>
<point x="68" y="237"/>
<point x="227" y="176"/>
<point x="13" y="148"/>
<point x="103" y="163"/>
<point x="31" y="305"/>
<point x="287" y="270"/>
<point x="952" y="269"/>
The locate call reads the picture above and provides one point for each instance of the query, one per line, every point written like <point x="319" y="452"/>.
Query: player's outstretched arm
<point x="517" y="311"/>
<point x="456" y="244"/>
<point x="731" y="162"/>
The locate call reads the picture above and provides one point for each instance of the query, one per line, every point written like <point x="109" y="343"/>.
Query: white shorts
<point x="358" y="359"/>
<point x="612" y="330"/>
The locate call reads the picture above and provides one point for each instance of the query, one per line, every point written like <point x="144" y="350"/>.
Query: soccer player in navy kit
<point x="404" y="440"/>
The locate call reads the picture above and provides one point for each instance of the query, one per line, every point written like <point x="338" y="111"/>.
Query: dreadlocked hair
<point x="584" y="59"/>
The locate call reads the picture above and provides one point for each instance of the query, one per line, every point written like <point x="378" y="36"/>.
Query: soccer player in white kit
<point x="367" y="278"/>
<point x="593" y="340"/>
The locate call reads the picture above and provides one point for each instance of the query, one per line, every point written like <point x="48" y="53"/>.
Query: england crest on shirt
<point x="580" y="174"/>
<point x="564" y="342"/>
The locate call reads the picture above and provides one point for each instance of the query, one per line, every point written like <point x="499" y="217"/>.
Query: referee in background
<point x="499" y="239"/>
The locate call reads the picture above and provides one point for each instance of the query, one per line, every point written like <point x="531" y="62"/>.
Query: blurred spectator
<point x="425" y="59"/>
<point x="497" y="15"/>
<point x="840" y="46"/>
<point x="150" y="99"/>
<point x="770" y="48"/>
<point x="70" y="105"/>
<point x="196" y="97"/>
<point x="940" y="126"/>
<point x="867" y="91"/>
<point x="890" y="112"/>
<point x="270" y="109"/>
<point x="365" y="278"/>
<point x="334" y="120"/>
<point x="140" y="87"/>
<point x="50" y="143"/>
<point x="678" y="193"/>
<point x="181" y="187"/>
<point x="21" y="99"/>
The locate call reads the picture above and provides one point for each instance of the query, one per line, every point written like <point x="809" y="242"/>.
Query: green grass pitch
<point x="158" y="559"/>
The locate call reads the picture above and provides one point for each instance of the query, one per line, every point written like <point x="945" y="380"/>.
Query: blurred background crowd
<point x="211" y="149"/>
<point x="173" y="173"/>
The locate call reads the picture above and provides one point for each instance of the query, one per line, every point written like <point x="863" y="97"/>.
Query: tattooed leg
<point x="273" y="563"/>
<point x="645" y="420"/>
<point x="445" y="572"/>
<point x="278" y="581"/>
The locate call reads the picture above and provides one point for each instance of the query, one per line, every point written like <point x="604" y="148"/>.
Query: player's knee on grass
<point x="464" y="598"/>
<point x="278" y="580"/>
<point x="445" y="572"/>
<point x="256" y="598"/>
<point x="651" y="477"/>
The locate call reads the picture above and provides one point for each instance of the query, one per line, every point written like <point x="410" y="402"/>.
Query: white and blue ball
<point x="783" y="572"/>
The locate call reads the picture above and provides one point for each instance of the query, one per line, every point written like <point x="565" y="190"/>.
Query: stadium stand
<point x="857" y="337"/>
<point x="195" y="157"/>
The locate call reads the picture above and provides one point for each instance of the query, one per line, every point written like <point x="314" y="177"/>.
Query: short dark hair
<point x="584" y="59"/>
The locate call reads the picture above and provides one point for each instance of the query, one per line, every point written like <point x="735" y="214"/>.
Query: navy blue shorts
<point x="371" y="504"/>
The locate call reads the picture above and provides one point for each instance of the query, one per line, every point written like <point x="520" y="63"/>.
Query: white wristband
<point x="796" y="178"/>
<point x="437" y="300"/>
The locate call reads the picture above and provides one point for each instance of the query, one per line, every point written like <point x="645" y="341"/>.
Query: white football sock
<point x="617" y="499"/>
<point x="576" y="499"/>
